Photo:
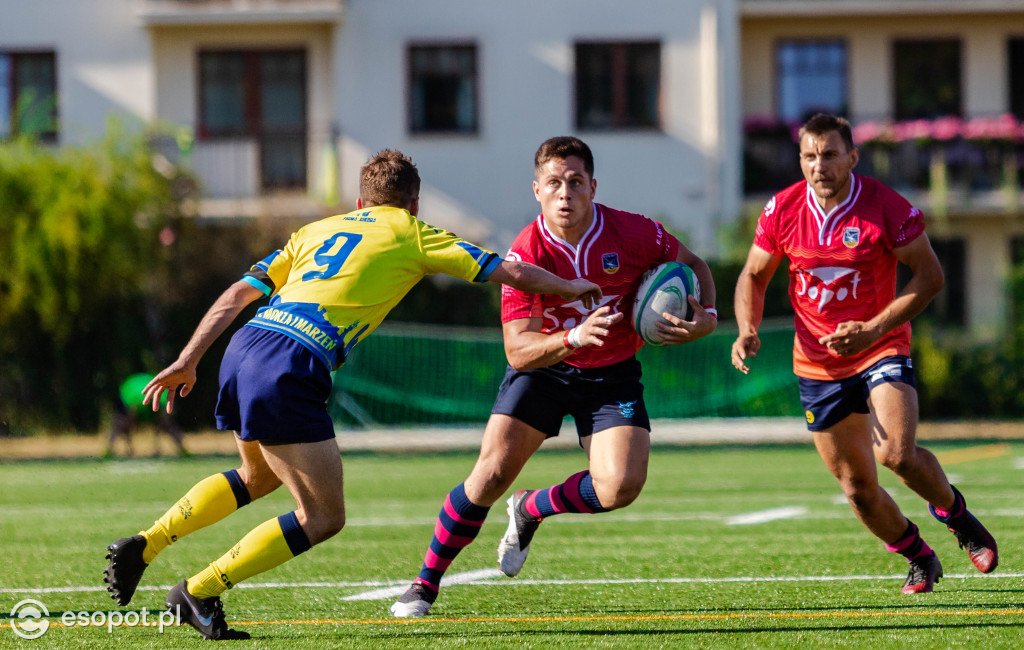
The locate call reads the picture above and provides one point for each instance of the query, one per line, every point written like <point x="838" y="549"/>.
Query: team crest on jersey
<point x="610" y="262"/>
<point x="851" y="236"/>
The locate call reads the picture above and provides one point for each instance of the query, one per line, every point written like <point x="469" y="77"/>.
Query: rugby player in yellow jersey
<point x="329" y="287"/>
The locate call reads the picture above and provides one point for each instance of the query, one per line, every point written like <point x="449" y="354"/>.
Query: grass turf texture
<point x="669" y="571"/>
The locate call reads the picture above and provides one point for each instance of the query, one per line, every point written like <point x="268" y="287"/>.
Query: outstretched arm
<point x="749" y="304"/>
<point x="533" y="279"/>
<point x="183" y="371"/>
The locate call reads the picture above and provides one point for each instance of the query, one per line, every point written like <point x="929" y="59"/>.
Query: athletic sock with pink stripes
<point x="457" y="526"/>
<point x="910" y="545"/>
<point x="576" y="494"/>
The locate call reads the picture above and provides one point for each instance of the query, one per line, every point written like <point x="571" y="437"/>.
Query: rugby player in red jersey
<point x="565" y="359"/>
<point x="843" y="235"/>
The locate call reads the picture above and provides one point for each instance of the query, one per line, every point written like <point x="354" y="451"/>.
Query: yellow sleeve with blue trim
<point x="446" y="253"/>
<point x="337" y="278"/>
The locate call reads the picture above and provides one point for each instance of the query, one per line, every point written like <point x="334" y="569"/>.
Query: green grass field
<point x="679" y="568"/>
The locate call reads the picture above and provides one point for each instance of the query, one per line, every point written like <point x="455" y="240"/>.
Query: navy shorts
<point x="828" y="402"/>
<point x="596" y="398"/>
<point x="273" y="389"/>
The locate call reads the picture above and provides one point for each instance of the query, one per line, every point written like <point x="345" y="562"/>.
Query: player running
<point x="843" y="234"/>
<point x="329" y="288"/>
<point x="565" y="359"/>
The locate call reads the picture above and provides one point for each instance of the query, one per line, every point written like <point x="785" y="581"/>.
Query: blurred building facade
<point x="689" y="106"/>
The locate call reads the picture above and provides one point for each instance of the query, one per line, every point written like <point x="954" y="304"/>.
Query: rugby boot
<point x="125" y="570"/>
<point x="204" y="614"/>
<point x="515" y="544"/>
<point x="924" y="573"/>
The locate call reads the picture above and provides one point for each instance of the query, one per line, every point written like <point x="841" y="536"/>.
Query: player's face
<point x="566" y="195"/>
<point x="826" y="164"/>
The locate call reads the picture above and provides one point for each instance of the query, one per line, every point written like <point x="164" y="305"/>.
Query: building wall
<point x="870" y="41"/>
<point x="103" y="65"/>
<point x="480" y="185"/>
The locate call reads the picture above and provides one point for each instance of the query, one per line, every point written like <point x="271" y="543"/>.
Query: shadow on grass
<point x="760" y="630"/>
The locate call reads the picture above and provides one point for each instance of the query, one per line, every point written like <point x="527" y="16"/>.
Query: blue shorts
<point x="828" y="402"/>
<point x="273" y="389"/>
<point x="596" y="398"/>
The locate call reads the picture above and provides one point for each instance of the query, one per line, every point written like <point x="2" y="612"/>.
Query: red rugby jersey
<point x="614" y="253"/>
<point x="841" y="267"/>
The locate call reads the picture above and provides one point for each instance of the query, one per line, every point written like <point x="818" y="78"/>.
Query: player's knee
<point x="489" y="482"/>
<point x="862" y="494"/>
<point x="620" y="495"/>
<point x="333" y="524"/>
<point x="324" y="524"/>
<point x="900" y="462"/>
<point x="259" y="482"/>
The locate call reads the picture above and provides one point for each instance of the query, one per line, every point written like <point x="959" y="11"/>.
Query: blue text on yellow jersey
<point x="337" y="278"/>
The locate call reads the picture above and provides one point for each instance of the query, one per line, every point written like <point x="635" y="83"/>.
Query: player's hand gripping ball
<point x="663" y="289"/>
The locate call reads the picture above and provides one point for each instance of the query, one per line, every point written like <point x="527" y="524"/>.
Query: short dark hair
<point x="563" y="146"/>
<point x="389" y="178"/>
<point x="822" y="123"/>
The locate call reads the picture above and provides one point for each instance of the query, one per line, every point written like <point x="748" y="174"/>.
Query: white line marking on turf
<point x="454" y="579"/>
<point x="763" y="516"/>
<point x="482" y="578"/>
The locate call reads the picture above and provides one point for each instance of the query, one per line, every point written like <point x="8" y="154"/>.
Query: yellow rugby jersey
<point x="337" y="278"/>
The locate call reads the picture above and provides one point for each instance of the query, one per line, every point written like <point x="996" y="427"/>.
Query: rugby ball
<point x="663" y="289"/>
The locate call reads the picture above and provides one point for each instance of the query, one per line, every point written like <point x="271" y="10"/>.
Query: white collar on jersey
<point x="576" y="255"/>
<point x="827" y="220"/>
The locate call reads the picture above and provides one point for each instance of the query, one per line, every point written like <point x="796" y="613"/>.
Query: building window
<point x="927" y="77"/>
<point x="1016" y="66"/>
<point x="811" y="78"/>
<point x="443" y="89"/>
<point x="259" y="95"/>
<point x="28" y="94"/>
<point x="618" y="85"/>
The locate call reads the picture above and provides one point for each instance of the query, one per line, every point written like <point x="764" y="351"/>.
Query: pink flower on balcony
<point x="918" y="130"/>
<point x="880" y="132"/>
<point x="948" y="128"/>
<point x="1000" y="129"/>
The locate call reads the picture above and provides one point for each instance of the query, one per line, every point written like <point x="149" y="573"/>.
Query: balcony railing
<point x="258" y="176"/>
<point x="196" y="12"/>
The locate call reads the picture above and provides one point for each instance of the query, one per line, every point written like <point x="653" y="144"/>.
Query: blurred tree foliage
<point x="960" y="379"/>
<point x="78" y="236"/>
<point x="103" y="275"/>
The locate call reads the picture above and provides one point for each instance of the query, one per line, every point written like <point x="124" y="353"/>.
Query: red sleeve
<point x="766" y="235"/>
<point x="903" y="222"/>
<point x="668" y="243"/>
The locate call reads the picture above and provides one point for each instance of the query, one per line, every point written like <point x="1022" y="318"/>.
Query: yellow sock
<point x="209" y="501"/>
<point x="271" y="543"/>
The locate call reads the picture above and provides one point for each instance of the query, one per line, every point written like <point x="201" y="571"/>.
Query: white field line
<point x="764" y="516"/>
<point x="466" y="577"/>
<point x="485" y="579"/>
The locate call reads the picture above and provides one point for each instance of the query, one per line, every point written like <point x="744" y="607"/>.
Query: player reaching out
<point x="565" y="360"/>
<point x="329" y="288"/>
<point x="843" y="234"/>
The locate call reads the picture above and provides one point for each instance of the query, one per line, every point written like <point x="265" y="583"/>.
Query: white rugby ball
<point x="663" y="289"/>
